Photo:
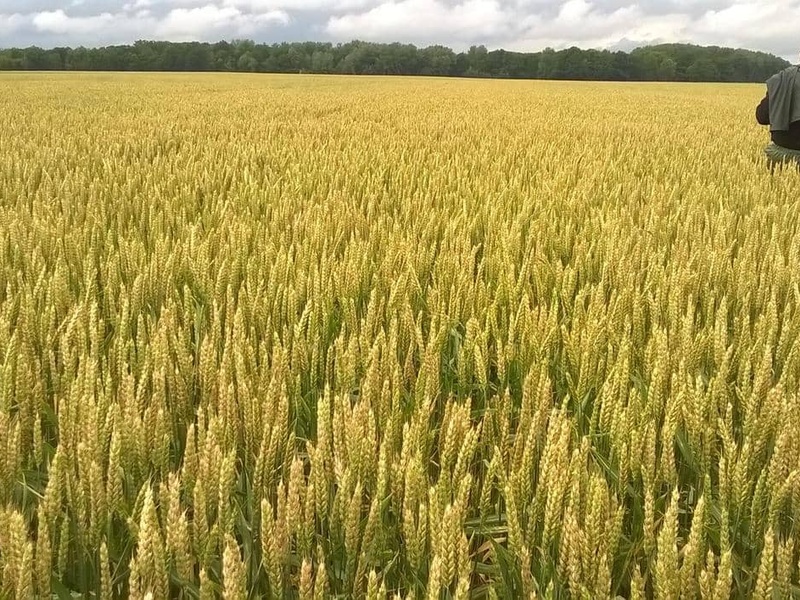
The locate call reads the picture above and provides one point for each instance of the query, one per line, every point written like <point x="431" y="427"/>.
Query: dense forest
<point x="665" y="62"/>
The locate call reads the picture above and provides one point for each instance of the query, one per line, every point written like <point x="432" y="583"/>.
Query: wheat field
<point x="331" y="337"/>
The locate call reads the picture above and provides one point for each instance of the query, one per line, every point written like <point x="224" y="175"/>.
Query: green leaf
<point x="61" y="591"/>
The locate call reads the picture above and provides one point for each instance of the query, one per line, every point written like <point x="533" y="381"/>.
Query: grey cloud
<point x="692" y="8"/>
<point x="768" y="25"/>
<point x="10" y="7"/>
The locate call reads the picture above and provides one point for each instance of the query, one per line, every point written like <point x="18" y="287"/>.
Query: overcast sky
<point x="768" y="25"/>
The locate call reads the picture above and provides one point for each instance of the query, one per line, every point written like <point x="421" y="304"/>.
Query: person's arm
<point x="762" y="111"/>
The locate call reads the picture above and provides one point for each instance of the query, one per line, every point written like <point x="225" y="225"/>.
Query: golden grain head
<point x="272" y="336"/>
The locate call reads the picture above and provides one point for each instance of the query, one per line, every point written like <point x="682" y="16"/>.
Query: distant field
<point x="304" y="336"/>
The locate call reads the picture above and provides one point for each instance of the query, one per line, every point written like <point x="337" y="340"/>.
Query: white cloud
<point x="326" y="6"/>
<point x="522" y="28"/>
<point x="204" y="22"/>
<point x="58" y="22"/>
<point x="137" y="5"/>
<point x="139" y="19"/>
<point x="529" y="25"/>
<point x="583" y="26"/>
<point x="572" y="11"/>
<point x="769" y="25"/>
<point x="428" y="20"/>
<point x="10" y="23"/>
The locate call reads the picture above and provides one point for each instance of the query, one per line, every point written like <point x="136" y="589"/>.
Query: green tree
<point x="667" y="69"/>
<point x="666" y="62"/>
<point x="322" y="61"/>
<point x="437" y="60"/>
<point x="247" y="62"/>
<point x="703" y="69"/>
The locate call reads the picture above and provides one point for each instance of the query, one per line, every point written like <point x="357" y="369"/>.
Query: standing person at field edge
<point x="780" y="109"/>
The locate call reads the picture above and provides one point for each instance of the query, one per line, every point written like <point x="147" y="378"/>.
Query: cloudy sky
<point x="768" y="25"/>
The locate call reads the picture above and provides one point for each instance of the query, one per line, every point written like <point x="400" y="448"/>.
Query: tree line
<point x="663" y="62"/>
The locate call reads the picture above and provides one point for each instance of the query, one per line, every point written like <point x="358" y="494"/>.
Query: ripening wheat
<point x="278" y="337"/>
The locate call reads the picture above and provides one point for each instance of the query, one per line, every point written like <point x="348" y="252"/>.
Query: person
<point x="780" y="110"/>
